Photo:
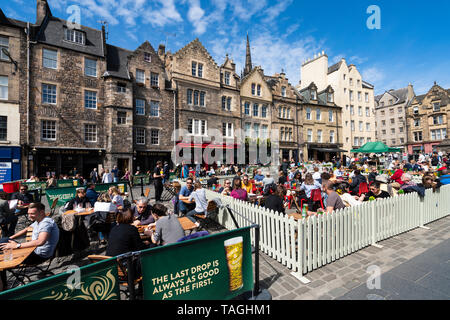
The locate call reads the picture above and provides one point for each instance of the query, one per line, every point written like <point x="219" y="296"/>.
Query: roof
<point x="400" y="94"/>
<point x="334" y="67"/>
<point x="420" y="98"/>
<point x="367" y="85"/>
<point x="52" y="33"/>
<point x="117" y="62"/>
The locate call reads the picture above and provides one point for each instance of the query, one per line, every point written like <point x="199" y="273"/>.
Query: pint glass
<point x="234" y="253"/>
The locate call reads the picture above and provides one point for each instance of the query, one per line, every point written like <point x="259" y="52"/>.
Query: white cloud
<point x="273" y="12"/>
<point x="196" y="16"/>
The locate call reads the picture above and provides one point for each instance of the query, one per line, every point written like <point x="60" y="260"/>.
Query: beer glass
<point x="234" y="253"/>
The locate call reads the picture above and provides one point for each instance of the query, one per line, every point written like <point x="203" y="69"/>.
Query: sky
<point x="411" y="45"/>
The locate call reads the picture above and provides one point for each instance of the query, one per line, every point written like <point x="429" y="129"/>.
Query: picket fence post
<point x="374" y="223"/>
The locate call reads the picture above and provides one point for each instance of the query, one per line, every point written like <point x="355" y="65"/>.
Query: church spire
<point x="248" y="59"/>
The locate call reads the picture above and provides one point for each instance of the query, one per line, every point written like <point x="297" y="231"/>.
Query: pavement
<point x="413" y="265"/>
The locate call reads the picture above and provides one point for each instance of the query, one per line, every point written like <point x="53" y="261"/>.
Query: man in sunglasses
<point x="185" y="192"/>
<point x="24" y="198"/>
<point x="376" y="192"/>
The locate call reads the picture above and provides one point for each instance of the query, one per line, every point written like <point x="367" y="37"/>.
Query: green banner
<point x="68" y="183"/>
<point x="36" y="185"/>
<point x="145" y="180"/>
<point x="215" y="267"/>
<point x="97" y="281"/>
<point x="66" y="194"/>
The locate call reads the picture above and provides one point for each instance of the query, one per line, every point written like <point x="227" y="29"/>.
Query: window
<point x="438" y="134"/>
<point x="288" y="113"/>
<point x="253" y="89"/>
<point x="393" y="141"/>
<point x="224" y="102"/>
<point x="418" y="136"/>
<point x="391" y="110"/>
<point x="196" y="93"/>
<point x="74" y="36"/>
<point x="356" y="141"/>
<point x="4" y="44"/>
<point x="147" y="57"/>
<point x="383" y="113"/>
<point x="290" y="134"/>
<point x="258" y="90"/>
<point x="282" y="134"/>
<point x="140" y="76"/>
<point x="345" y="76"/>
<point x="319" y="135"/>
<point x="358" y="82"/>
<point x="436" y="106"/>
<point x="203" y="128"/>
<point x="140" y="135"/>
<point x="352" y="110"/>
<point x="247" y="129"/>
<point x="121" y="117"/>
<point x="190" y="126"/>
<point x="90" y="132"/>
<point x="189" y="96"/>
<point x="284" y="113"/>
<point x="352" y="125"/>
<point x="400" y="129"/>
<point x="194" y="68"/>
<point x="382" y="103"/>
<point x="227" y="130"/>
<point x="48" y="93"/>
<point x="3" y="128"/>
<point x="247" y="108"/>
<point x="383" y="131"/>
<point x="200" y="70"/>
<point x="367" y="126"/>
<point x="318" y="115"/>
<point x="330" y="98"/>
<point x="229" y="103"/>
<point x="393" y="130"/>
<point x="438" y="119"/>
<point x="154" y="79"/>
<point x="310" y="135"/>
<point x="283" y="91"/>
<point x="402" y="140"/>
<point x="361" y="141"/>
<point x="154" y="109"/>
<point x="264" y="111"/>
<point x="416" y="110"/>
<point x="392" y="121"/>
<point x="366" y="97"/>
<point x="202" y="98"/>
<point x="197" y="127"/>
<point x="227" y="78"/>
<point x="360" y="111"/>
<point x="50" y="58"/>
<point x="256" y="128"/>
<point x="48" y="130"/>
<point x="359" y="96"/>
<point x="90" y="99"/>
<point x="351" y="81"/>
<point x="121" y="87"/>
<point x="383" y="122"/>
<point x="308" y="113"/>
<point x="367" y="111"/>
<point x="255" y="109"/>
<point x="3" y="88"/>
<point x="90" y="67"/>
<point x="400" y="109"/>
<point x="154" y="136"/>
<point x="361" y="126"/>
<point x="313" y="95"/>
<point x="391" y="102"/>
<point x="264" y="131"/>
<point x="140" y="107"/>
<point x="351" y="95"/>
<point x="331" y="136"/>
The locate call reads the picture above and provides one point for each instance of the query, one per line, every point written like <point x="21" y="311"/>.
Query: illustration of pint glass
<point x="234" y="251"/>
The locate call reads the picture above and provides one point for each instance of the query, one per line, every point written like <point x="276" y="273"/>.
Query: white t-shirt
<point x="201" y="203"/>
<point x="350" y="199"/>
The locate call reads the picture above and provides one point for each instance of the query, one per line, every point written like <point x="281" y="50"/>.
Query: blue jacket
<point x="445" y="179"/>
<point x="92" y="196"/>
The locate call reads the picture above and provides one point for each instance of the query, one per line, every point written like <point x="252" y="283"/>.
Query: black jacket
<point x="356" y="181"/>
<point x="124" y="238"/>
<point x="274" y="202"/>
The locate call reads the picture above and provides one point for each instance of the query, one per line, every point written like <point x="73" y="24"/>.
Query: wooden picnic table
<point x="19" y="256"/>
<point x="185" y="222"/>
<point x="82" y="213"/>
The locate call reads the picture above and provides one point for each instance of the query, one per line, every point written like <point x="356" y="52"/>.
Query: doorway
<point x="123" y="165"/>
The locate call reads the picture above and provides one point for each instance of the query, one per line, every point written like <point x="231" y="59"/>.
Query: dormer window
<point x="436" y="106"/>
<point x="330" y="97"/>
<point x="258" y="90"/>
<point x="147" y="57"/>
<point x="313" y="94"/>
<point x="73" y="35"/>
<point x="283" y="91"/>
<point x="227" y="78"/>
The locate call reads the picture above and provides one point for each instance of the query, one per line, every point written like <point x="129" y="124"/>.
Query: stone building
<point x="427" y="120"/>
<point x="322" y="124"/>
<point x="390" y="113"/>
<point x="207" y="104"/>
<point x="13" y="70"/>
<point x="351" y="92"/>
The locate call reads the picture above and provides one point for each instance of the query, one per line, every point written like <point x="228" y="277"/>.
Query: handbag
<point x="68" y="222"/>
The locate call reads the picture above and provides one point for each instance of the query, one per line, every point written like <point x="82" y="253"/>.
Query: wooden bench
<point x="122" y="272"/>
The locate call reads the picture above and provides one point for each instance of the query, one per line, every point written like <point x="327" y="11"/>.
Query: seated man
<point x="376" y="192"/>
<point x="45" y="237"/>
<point x="258" y="178"/>
<point x="168" y="229"/>
<point x="142" y="212"/>
<point x="185" y="192"/>
<point x="8" y="220"/>
<point x="334" y="201"/>
<point x="24" y="199"/>
<point x="212" y="181"/>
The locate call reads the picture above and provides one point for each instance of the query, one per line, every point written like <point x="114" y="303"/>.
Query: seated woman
<point x="238" y="192"/>
<point x="124" y="237"/>
<point x="116" y="198"/>
<point x="80" y="201"/>
<point x="275" y="201"/>
<point x="296" y="180"/>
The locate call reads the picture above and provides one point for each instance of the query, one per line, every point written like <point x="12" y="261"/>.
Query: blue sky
<point x="412" y="45"/>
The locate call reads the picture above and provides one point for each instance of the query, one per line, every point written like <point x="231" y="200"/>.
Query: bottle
<point x="305" y="211"/>
<point x="214" y="187"/>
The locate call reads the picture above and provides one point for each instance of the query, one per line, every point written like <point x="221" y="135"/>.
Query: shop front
<point x="10" y="164"/>
<point x="146" y="160"/>
<point x="66" y="161"/>
<point x="324" y="152"/>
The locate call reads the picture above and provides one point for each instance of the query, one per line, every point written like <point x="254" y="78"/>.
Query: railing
<point x="305" y="245"/>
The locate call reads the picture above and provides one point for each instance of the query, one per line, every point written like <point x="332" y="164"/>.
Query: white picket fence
<point x="305" y="245"/>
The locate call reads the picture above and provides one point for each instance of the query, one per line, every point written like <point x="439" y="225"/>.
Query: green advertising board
<point x="66" y="194"/>
<point x="68" y="183"/>
<point x="215" y="267"/>
<point x="97" y="281"/>
<point x="36" y="185"/>
<point x="145" y="179"/>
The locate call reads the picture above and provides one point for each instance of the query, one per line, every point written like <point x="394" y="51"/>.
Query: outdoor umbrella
<point x="375" y="147"/>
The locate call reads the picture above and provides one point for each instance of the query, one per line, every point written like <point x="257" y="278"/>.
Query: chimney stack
<point x="161" y="50"/>
<point x="42" y="10"/>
